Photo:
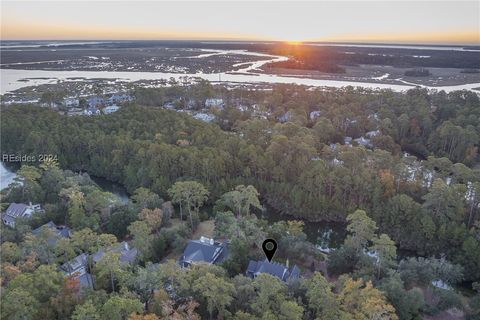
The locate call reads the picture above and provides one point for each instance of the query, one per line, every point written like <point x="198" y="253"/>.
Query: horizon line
<point x="434" y="43"/>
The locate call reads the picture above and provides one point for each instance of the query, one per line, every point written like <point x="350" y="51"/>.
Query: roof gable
<point x="62" y="231"/>
<point x="76" y="263"/>
<point x="198" y="251"/>
<point x="127" y="254"/>
<point x="50" y="225"/>
<point x="273" y="268"/>
<point x="16" y="209"/>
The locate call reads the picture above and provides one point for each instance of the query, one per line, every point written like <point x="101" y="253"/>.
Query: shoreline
<point x="371" y="74"/>
<point x="13" y="79"/>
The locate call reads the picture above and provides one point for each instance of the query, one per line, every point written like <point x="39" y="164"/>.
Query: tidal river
<point x="6" y="176"/>
<point x="13" y="79"/>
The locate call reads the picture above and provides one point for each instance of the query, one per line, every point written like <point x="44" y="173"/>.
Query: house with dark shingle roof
<point x="57" y="231"/>
<point x="273" y="268"/>
<point x="77" y="269"/>
<point x="127" y="254"/>
<point x="19" y="210"/>
<point x="204" y="250"/>
<point x="61" y="231"/>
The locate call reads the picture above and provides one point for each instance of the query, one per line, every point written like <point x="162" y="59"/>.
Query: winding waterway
<point x="13" y="79"/>
<point x="112" y="187"/>
<point x="324" y="235"/>
<point x="6" y="176"/>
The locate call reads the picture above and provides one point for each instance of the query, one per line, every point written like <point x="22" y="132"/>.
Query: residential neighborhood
<point x="79" y="267"/>
<point x="184" y="238"/>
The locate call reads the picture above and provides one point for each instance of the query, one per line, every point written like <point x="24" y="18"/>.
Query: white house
<point x="287" y="116"/>
<point x="347" y="140"/>
<point x="111" y="109"/>
<point x="204" y="117"/>
<point x="75" y="112"/>
<point x="91" y="111"/>
<point x="214" y="102"/>
<point x="71" y="102"/>
<point x="441" y="284"/>
<point x="19" y="210"/>
<point x="363" y="142"/>
<point x="371" y="134"/>
<point x="315" y="114"/>
<point x="169" y="105"/>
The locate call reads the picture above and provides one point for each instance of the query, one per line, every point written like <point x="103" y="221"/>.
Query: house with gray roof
<point x="127" y="254"/>
<point x="204" y="250"/>
<point x="363" y="142"/>
<point x="61" y="231"/>
<point x="273" y="268"/>
<point x="77" y="269"/>
<point x="94" y="102"/>
<point x="19" y="210"/>
<point x="57" y="232"/>
<point x="120" y="98"/>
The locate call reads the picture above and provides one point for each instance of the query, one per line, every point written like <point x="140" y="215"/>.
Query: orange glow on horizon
<point x="453" y="37"/>
<point x="30" y="31"/>
<point x="293" y="22"/>
<point x="294" y="43"/>
<point x="18" y="29"/>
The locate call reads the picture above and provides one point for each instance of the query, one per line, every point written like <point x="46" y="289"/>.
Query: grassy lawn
<point x="205" y="228"/>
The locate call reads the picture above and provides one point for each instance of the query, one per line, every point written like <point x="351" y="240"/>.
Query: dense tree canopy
<point x="415" y="187"/>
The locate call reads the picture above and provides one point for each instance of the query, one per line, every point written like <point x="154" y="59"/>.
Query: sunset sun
<point x="294" y="43"/>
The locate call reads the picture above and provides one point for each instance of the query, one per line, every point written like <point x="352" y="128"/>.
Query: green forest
<point x="414" y="188"/>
